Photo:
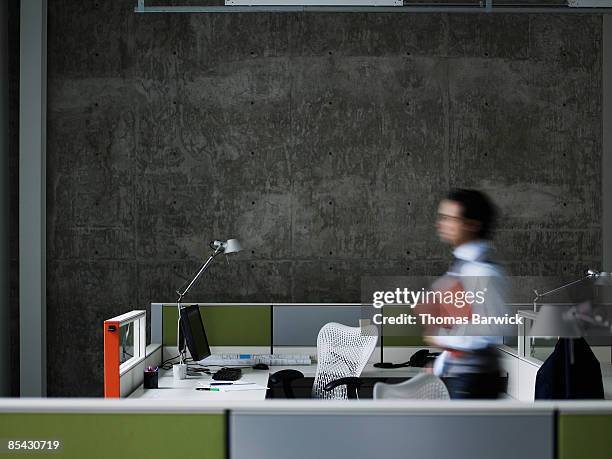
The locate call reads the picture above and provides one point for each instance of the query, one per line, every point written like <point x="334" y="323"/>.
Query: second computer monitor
<point x="194" y="333"/>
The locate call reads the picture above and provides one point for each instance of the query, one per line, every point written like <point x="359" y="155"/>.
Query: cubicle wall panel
<point x="527" y="373"/>
<point x="100" y="436"/>
<point x="585" y="436"/>
<point x="403" y="341"/>
<point x="510" y="366"/>
<point x="130" y="380"/>
<point x="412" y="334"/>
<point x="496" y="435"/>
<point x="300" y="325"/>
<point x="225" y="326"/>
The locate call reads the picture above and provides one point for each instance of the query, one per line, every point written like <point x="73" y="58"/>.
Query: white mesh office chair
<point x="342" y="353"/>
<point x="424" y="386"/>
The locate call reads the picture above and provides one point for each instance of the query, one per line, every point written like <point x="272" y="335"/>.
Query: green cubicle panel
<point x="585" y="436"/>
<point x="401" y="341"/>
<point x="226" y="326"/>
<point x="411" y="334"/>
<point x="118" y="435"/>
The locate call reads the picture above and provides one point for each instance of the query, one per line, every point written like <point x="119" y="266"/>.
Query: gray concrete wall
<point x="322" y="141"/>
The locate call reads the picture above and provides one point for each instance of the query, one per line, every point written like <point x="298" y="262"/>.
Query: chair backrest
<point x="424" y="386"/>
<point x="342" y="352"/>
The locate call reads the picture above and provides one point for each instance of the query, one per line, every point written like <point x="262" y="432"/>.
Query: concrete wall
<point x="322" y="141"/>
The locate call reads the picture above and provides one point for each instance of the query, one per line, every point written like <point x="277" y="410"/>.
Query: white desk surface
<point x="169" y="389"/>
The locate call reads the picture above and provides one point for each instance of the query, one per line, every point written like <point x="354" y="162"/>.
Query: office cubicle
<point x="293" y="328"/>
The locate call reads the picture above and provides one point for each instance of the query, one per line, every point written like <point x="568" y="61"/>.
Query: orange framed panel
<point x="111" y="359"/>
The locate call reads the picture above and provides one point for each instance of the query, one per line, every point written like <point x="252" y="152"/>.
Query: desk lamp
<point x="218" y="247"/>
<point x="601" y="278"/>
<point x="563" y="321"/>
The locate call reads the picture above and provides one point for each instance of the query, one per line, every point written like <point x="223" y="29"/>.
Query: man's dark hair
<point x="476" y="206"/>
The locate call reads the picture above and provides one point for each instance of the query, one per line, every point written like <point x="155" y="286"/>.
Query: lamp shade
<point x="555" y="321"/>
<point x="232" y="245"/>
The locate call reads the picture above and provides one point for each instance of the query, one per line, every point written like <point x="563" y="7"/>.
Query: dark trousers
<point x="474" y="386"/>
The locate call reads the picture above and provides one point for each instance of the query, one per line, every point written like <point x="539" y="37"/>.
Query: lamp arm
<point x="540" y="295"/>
<point x="182" y="294"/>
<point x="204" y="267"/>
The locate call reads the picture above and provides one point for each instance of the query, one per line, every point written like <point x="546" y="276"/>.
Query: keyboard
<point x="252" y="359"/>
<point x="227" y="374"/>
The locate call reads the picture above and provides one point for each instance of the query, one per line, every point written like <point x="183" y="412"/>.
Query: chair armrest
<point x="286" y="377"/>
<point x="352" y="385"/>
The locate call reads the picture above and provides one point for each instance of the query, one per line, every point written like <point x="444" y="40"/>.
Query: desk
<point x="169" y="389"/>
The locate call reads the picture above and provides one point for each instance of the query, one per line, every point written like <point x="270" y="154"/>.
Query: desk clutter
<point x="227" y="374"/>
<point x="238" y="386"/>
<point x="254" y="359"/>
<point x="151" y="378"/>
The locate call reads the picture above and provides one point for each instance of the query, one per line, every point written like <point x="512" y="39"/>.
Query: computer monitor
<point x="193" y="332"/>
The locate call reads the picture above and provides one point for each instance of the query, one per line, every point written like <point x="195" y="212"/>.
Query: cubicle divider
<point x="269" y="327"/>
<point x="99" y="429"/>
<point x="584" y="430"/>
<point x="309" y="428"/>
<point x="394" y="431"/>
<point x="126" y="354"/>
<point x="225" y="324"/>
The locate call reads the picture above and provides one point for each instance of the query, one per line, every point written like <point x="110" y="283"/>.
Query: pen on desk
<point x="231" y="383"/>
<point x="212" y="389"/>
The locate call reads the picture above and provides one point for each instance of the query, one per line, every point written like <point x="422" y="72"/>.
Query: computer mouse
<point x="260" y="366"/>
